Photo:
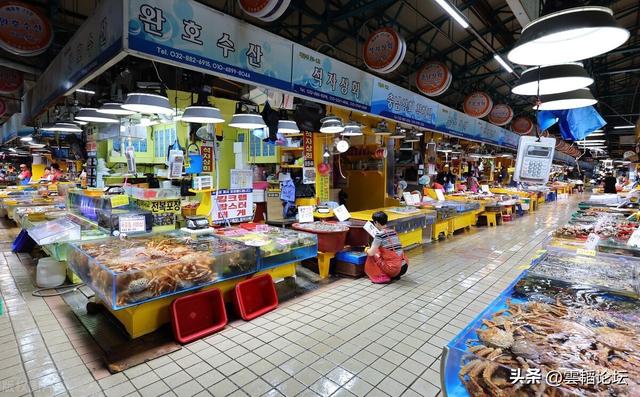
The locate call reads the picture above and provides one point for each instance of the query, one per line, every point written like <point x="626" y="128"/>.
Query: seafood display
<point x="321" y="227"/>
<point x="613" y="228"/>
<point x="550" y="337"/>
<point x="275" y="245"/>
<point x="135" y="270"/>
<point x="609" y="271"/>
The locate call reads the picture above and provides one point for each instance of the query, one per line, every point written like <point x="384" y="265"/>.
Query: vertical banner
<point x="323" y="188"/>
<point x="207" y="158"/>
<point x="307" y="144"/>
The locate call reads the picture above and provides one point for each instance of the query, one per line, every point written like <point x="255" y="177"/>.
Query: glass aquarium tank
<point x="276" y="246"/>
<point x="128" y="272"/>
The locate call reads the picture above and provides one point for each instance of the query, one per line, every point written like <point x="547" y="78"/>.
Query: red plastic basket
<point x="197" y="315"/>
<point x="254" y="297"/>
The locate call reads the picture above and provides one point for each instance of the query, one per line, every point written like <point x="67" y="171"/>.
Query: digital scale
<point x="197" y="222"/>
<point x="535" y="155"/>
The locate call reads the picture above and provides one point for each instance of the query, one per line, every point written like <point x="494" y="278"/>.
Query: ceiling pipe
<point x="19" y="66"/>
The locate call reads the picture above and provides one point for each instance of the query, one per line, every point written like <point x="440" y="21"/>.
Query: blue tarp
<point x="575" y="124"/>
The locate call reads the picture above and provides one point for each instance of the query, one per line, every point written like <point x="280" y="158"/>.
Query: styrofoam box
<point x="258" y="196"/>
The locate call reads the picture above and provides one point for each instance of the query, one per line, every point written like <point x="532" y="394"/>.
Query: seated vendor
<point x="386" y="260"/>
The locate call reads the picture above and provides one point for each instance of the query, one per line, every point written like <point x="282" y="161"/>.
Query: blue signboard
<point x="399" y="104"/>
<point x="318" y="76"/>
<point x="188" y="33"/>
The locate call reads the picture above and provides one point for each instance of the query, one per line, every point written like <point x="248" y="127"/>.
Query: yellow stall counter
<point x="409" y="225"/>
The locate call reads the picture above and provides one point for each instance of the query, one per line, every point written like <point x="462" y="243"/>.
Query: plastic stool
<point x="492" y="218"/>
<point x="507" y="218"/>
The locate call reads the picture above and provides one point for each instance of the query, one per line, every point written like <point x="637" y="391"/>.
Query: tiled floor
<point x="348" y="338"/>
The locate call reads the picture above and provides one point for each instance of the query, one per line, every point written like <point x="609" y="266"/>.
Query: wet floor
<point x="350" y="337"/>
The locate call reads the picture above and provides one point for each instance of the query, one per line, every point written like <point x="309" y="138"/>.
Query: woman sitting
<point x="386" y="261"/>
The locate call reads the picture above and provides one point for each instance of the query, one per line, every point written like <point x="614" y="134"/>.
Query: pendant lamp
<point x="331" y="125"/>
<point x="552" y="79"/>
<point x="567" y="36"/>
<point x="246" y="118"/>
<point x="91" y="115"/>
<point x="382" y="129"/>
<point x="114" y="108"/>
<point x="411" y="138"/>
<point x="147" y="103"/>
<point x="288" y="127"/>
<point x="202" y="112"/>
<point x="352" y="129"/>
<point x="62" y="126"/>
<point x="566" y="100"/>
<point x="399" y="133"/>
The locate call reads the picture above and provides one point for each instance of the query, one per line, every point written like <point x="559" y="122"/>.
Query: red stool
<point x="507" y="218"/>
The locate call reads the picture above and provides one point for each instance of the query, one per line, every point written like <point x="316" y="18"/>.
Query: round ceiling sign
<point x="25" y="29"/>
<point x="522" y="125"/>
<point x="433" y="78"/>
<point x="501" y="114"/>
<point x="477" y="104"/>
<point x="382" y="49"/>
<point x="256" y="8"/>
<point x="10" y="80"/>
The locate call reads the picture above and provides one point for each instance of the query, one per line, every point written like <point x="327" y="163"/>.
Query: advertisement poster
<point x="241" y="179"/>
<point x="397" y="103"/>
<point x="323" y="188"/>
<point x="207" y="158"/>
<point x="307" y="144"/>
<point x="234" y="205"/>
<point x="309" y="175"/>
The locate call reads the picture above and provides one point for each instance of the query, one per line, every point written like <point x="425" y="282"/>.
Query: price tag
<point x="341" y="213"/>
<point x="582" y="251"/>
<point x="119" y="200"/>
<point x="439" y="194"/>
<point x="132" y="224"/>
<point x="592" y="242"/>
<point x="305" y="214"/>
<point x="634" y="240"/>
<point x="371" y="229"/>
<point x="416" y="198"/>
<point x="262" y="228"/>
<point x="485" y="188"/>
<point x="408" y="198"/>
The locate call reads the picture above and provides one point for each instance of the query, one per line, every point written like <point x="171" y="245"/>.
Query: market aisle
<point x="348" y="338"/>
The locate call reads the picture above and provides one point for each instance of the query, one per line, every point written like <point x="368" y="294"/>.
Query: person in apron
<point x="386" y="260"/>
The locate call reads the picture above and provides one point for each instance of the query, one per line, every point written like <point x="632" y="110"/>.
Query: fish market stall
<point x="566" y="314"/>
<point x="412" y="224"/>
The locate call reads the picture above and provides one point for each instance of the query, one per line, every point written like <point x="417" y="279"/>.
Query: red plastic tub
<point x="197" y="315"/>
<point x="255" y="296"/>
<point x="328" y="241"/>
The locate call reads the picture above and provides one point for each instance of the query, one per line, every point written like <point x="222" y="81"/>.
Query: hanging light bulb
<point x="146" y="103"/>
<point x="552" y="79"/>
<point x="91" y="115"/>
<point x="246" y="118"/>
<point x="419" y="133"/>
<point x="352" y="129"/>
<point x="331" y="125"/>
<point x="114" y="108"/>
<point x="202" y="115"/>
<point x="566" y="100"/>
<point x="288" y="127"/>
<point x="568" y="35"/>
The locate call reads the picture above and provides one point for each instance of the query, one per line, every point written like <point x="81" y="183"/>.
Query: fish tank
<point x="614" y="272"/>
<point x="113" y="212"/>
<point x="275" y="246"/>
<point x="545" y="324"/>
<point x="131" y="271"/>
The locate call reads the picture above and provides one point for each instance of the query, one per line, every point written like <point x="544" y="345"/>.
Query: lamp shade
<point x="331" y="125"/>
<point x="142" y="102"/>
<point x="63" y="127"/>
<point x="114" y="108"/>
<point x="288" y="127"/>
<point x="567" y="36"/>
<point x="567" y="100"/>
<point x="91" y="115"/>
<point x="248" y="121"/>
<point x="202" y="115"/>
<point x="352" y="129"/>
<point x="553" y="79"/>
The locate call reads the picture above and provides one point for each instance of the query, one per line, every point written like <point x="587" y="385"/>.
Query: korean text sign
<point x="235" y="205"/>
<point x="189" y="33"/>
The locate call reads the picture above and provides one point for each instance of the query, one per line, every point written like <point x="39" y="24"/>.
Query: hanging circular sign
<point x="25" y="29"/>
<point x="10" y="80"/>
<point x="522" y="125"/>
<point x="477" y="104"/>
<point x="256" y="8"/>
<point x="3" y="108"/>
<point x="433" y="78"/>
<point x="382" y="49"/>
<point x="501" y="114"/>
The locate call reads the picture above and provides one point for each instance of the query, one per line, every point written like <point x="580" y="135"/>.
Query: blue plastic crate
<point x="355" y="257"/>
